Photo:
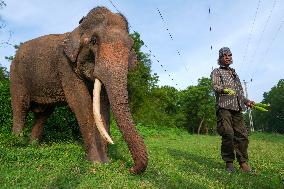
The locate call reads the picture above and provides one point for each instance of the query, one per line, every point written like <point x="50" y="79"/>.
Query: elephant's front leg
<point x="105" y="112"/>
<point x="80" y="102"/>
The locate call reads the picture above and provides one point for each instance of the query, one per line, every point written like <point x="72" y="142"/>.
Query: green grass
<point x="176" y="160"/>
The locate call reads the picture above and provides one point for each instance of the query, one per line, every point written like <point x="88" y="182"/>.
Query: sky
<point x="253" y="30"/>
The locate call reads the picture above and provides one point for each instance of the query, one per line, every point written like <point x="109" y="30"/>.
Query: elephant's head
<point x="100" y="49"/>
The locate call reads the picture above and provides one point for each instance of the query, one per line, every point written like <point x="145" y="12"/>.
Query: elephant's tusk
<point x="96" y="111"/>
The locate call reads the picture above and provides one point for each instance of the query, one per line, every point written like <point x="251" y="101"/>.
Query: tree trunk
<point x="200" y="125"/>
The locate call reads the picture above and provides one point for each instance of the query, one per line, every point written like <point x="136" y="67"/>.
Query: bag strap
<point x="221" y="76"/>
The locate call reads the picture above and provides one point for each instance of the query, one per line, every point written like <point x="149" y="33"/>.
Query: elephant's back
<point x="37" y="54"/>
<point x="36" y="64"/>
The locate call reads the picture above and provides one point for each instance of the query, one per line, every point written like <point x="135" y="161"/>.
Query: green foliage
<point x="161" y="108"/>
<point x="4" y="74"/>
<point x="273" y="120"/>
<point x="198" y="105"/>
<point x="61" y="125"/>
<point x="11" y="58"/>
<point x="140" y="80"/>
<point x="5" y="106"/>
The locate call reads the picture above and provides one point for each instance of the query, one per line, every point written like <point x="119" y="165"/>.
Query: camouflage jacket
<point x="226" y="77"/>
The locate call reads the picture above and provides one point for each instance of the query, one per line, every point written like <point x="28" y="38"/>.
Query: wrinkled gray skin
<point x="60" y="70"/>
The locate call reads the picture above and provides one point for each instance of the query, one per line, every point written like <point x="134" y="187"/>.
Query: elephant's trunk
<point x="118" y="96"/>
<point x="111" y="69"/>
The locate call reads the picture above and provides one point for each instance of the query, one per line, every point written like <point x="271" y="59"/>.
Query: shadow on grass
<point x="160" y="179"/>
<point x="116" y="153"/>
<point x="66" y="179"/>
<point x="268" y="137"/>
<point x="154" y="175"/>
<point x="214" y="170"/>
<point x="208" y="162"/>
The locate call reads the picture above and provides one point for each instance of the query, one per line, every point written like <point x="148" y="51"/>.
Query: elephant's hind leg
<point x="20" y="104"/>
<point x="39" y="120"/>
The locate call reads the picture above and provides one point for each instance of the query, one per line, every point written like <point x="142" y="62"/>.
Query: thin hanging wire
<point x="251" y="31"/>
<point x="264" y="29"/>
<point x="210" y="27"/>
<point x="210" y="30"/>
<point x="150" y="51"/>
<point x="171" y="36"/>
<point x="272" y="41"/>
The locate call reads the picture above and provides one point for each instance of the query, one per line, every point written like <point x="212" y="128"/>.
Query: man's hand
<point x="250" y="104"/>
<point x="229" y="91"/>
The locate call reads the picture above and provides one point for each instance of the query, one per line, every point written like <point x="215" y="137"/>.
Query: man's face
<point x="227" y="59"/>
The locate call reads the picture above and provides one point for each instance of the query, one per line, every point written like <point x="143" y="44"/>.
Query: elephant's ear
<point x="71" y="44"/>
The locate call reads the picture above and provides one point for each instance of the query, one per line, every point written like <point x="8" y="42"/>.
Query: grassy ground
<point x="176" y="160"/>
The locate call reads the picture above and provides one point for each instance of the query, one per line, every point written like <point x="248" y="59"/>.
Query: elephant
<point x="85" y="69"/>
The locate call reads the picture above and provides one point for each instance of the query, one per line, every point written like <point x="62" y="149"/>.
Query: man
<point x="230" y="102"/>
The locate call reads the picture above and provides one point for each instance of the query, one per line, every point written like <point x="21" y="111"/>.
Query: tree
<point x="198" y="104"/>
<point x="140" y="80"/>
<point x="2" y="4"/>
<point x="4" y="74"/>
<point x="161" y="109"/>
<point x="272" y="121"/>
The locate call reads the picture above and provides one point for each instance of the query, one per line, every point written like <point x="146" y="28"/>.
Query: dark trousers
<point x="230" y="125"/>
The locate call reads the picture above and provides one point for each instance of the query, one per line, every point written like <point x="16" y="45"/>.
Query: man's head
<point x="225" y="56"/>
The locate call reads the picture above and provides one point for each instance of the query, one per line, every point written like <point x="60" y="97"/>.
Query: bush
<point x="61" y="125"/>
<point x="5" y="107"/>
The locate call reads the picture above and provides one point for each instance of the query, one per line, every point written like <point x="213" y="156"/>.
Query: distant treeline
<point x="272" y="121"/>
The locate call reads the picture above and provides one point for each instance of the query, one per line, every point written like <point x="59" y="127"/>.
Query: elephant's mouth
<point x="96" y="111"/>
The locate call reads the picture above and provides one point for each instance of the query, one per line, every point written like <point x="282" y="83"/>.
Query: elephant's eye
<point x="94" y="40"/>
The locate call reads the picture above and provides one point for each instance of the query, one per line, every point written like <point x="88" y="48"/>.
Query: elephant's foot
<point x="95" y="161"/>
<point x="93" y="156"/>
<point x="18" y="130"/>
<point x="34" y="142"/>
<point x="35" y="137"/>
<point x="105" y="159"/>
<point x="37" y="132"/>
<point x="19" y="134"/>
<point x="97" y="158"/>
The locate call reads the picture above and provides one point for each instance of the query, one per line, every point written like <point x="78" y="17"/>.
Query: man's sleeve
<point x="216" y="82"/>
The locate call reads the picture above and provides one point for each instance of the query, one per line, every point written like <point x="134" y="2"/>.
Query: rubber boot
<point x="245" y="167"/>
<point x="230" y="167"/>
